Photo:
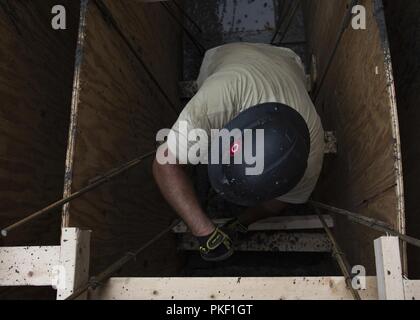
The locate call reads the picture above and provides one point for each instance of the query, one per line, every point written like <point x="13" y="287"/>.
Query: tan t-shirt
<point x="238" y="76"/>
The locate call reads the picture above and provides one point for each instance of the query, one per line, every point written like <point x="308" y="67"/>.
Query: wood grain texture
<point x="244" y="289"/>
<point x="323" y="20"/>
<point x="404" y="35"/>
<point x="36" y="73"/>
<point x="116" y="113"/>
<point x="356" y="100"/>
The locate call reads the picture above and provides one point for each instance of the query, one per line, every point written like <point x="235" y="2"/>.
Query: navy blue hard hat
<point x="278" y="162"/>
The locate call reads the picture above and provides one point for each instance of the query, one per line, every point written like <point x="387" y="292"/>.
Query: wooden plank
<point x="74" y="260"/>
<point x="403" y="23"/>
<point x="412" y="289"/>
<point x="270" y="242"/>
<point x="36" y="72"/>
<point x="117" y="111"/>
<point x="28" y="266"/>
<point x="325" y="288"/>
<point x="274" y="224"/>
<point x="388" y="269"/>
<point x="358" y="103"/>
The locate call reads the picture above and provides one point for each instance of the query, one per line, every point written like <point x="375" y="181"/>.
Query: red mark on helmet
<point x="235" y="148"/>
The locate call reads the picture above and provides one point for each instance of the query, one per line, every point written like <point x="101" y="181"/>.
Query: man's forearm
<point x="178" y="190"/>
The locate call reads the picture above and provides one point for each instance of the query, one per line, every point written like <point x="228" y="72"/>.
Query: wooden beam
<point x="301" y="288"/>
<point x="412" y="289"/>
<point x="28" y="266"/>
<point x="270" y="242"/>
<point x="388" y="268"/>
<point x="74" y="261"/>
<point x="274" y="224"/>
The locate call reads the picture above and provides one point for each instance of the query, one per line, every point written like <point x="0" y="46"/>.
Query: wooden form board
<point x="64" y="267"/>
<point x="404" y="29"/>
<point x="36" y="73"/>
<point x="357" y="101"/>
<point x="388" y="269"/>
<point x="326" y="288"/>
<point x="116" y="113"/>
<point x="28" y="266"/>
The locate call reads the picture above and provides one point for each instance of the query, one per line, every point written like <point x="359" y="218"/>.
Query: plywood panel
<point x="36" y="73"/>
<point x="160" y="53"/>
<point x="323" y="20"/>
<point x="116" y="113"/>
<point x="357" y="101"/>
<point x="404" y="35"/>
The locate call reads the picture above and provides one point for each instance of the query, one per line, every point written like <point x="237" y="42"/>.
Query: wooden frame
<point x="326" y="288"/>
<point x="38" y="266"/>
<point x="388" y="268"/>
<point x="388" y="285"/>
<point x="63" y="267"/>
<point x="74" y="259"/>
<point x="28" y="266"/>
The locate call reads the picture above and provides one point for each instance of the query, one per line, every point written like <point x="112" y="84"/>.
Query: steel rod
<point x="91" y="186"/>
<point x="107" y="15"/>
<point x="186" y="15"/>
<point x="289" y="19"/>
<point x="339" y="257"/>
<point x="97" y="281"/>
<point x="345" y="25"/>
<point x="196" y="43"/>
<point x="369" y="222"/>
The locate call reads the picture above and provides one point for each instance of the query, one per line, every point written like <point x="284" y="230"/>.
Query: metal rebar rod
<point x="194" y="41"/>
<point x="289" y="19"/>
<point x="339" y="257"/>
<point x="91" y="186"/>
<point x="369" y="222"/>
<point x="97" y="281"/>
<point x="345" y="25"/>
<point x="186" y="15"/>
<point x="107" y="15"/>
<point x="276" y="33"/>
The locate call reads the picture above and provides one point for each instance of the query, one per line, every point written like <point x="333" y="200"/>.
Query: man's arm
<point x="178" y="190"/>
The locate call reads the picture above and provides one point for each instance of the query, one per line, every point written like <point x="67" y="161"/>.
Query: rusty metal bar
<point x="293" y="9"/>
<point x="339" y="257"/>
<point x="96" y="281"/>
<point x="107" y="15"/>
<point x="369" y="222"/>
<point x="344" y="27"/>
<point x="196" y="43"/>
<point x="187" y="16"/>
<point x="97" y="182"/>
